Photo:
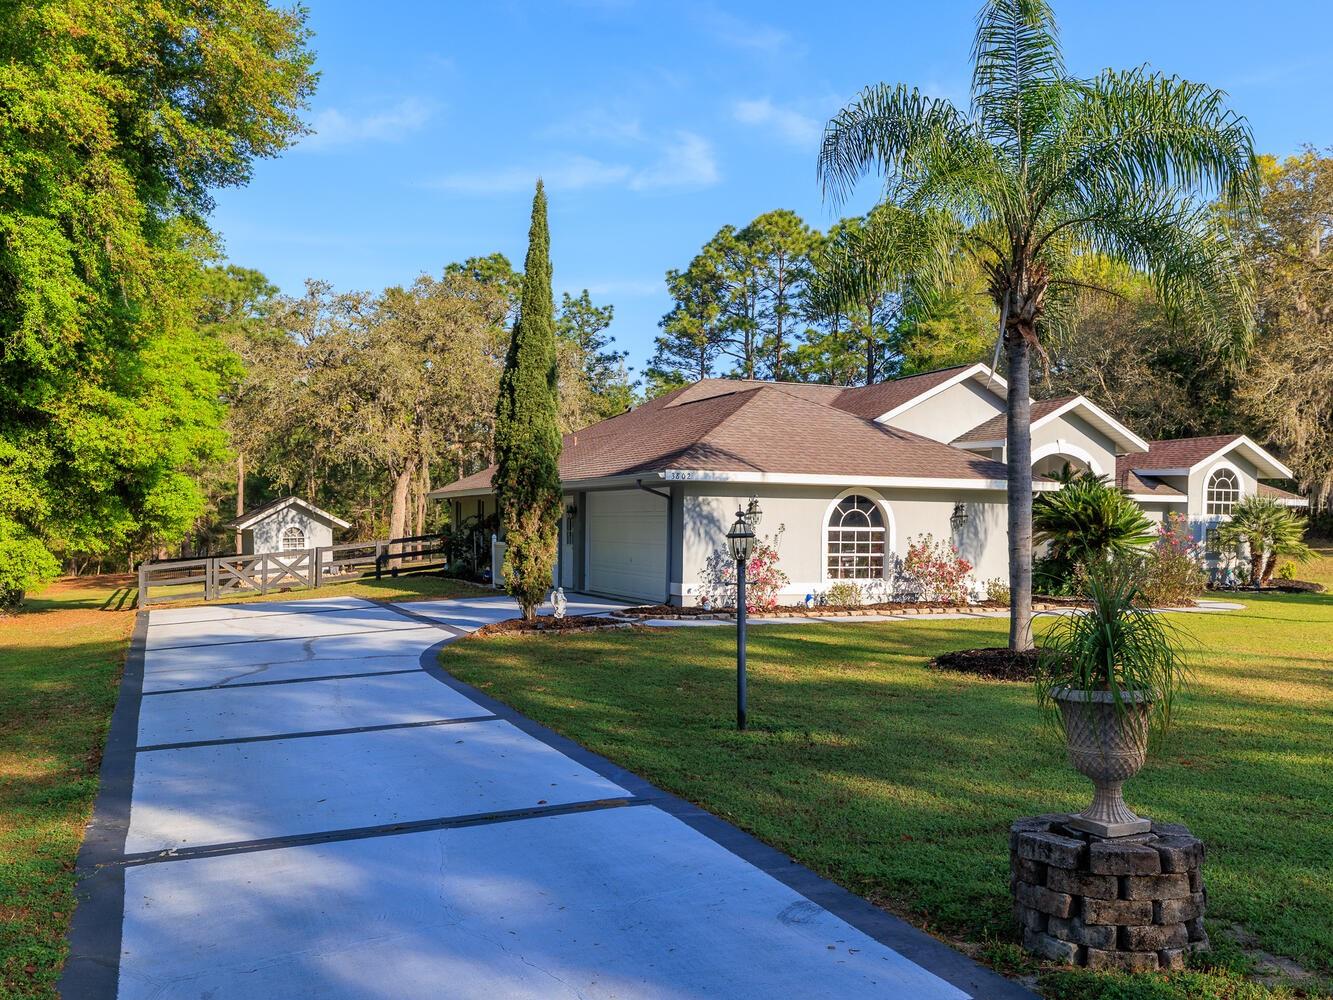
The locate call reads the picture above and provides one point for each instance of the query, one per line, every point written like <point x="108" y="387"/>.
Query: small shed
<point x="287" y="525"/>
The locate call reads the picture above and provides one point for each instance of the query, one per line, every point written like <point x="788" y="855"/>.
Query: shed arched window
<point x="856" y="540"/>
<point x="1223" y="492"/>
<point x="293" y="539"/>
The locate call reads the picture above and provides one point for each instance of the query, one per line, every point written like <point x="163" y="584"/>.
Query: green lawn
<point x="60" y="663"/>
<point x="59" y="666"/>
<point x="900" y="782"/>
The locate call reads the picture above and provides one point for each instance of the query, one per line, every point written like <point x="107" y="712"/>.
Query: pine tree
<point x="527" y="434"/>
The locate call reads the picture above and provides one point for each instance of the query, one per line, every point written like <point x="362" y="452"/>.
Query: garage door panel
<point x="627" y="550"/>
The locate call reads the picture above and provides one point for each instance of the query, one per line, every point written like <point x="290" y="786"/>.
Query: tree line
<point x="777" y="299"/>
<point x="360" y="402"/>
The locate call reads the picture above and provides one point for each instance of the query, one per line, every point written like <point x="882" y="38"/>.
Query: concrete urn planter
<point x="1108" y="745"/>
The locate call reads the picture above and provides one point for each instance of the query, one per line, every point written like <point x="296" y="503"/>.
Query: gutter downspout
<point x="667" y="498"/>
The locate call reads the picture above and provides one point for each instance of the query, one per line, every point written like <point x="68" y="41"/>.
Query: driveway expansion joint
<point x="381" y="830"/>
<point x="349" y="731"/>
<point x="224" y="686"/>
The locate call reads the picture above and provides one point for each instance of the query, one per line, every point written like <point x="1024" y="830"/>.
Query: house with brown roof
<point x="846" y="477"/>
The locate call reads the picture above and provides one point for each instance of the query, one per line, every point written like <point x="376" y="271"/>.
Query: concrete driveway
<point x="298" y="803"/>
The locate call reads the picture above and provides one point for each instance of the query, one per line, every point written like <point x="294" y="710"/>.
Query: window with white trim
<point x="1223" y="492"/>
<point x="856" y="540"/>
<point x="293" y="539"/>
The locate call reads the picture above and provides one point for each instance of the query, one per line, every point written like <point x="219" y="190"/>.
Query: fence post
<point x="379" y="560"/>
<point x="263" y="574"/>
<point x="317" y="574"/>
<point x="143" y="583"/>
<point x="210" y="580"/>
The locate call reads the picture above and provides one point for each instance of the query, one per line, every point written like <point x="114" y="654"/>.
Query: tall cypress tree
<point x="527" y="434"/>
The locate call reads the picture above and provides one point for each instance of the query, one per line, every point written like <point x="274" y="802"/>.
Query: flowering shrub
<point x="764" y="580"/>
<point x="997" y="590"/>
<point x="845" y="593"/>
<point x="1174" y="575"/>
<point x="938" y="570"/>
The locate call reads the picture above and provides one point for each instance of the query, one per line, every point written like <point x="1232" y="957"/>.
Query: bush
<point x="845" y="593"/>
<point x="24" y="563"/>
<point x="997" y="591"/>
<point x="1085" y="520"/>
<point x="937" y="569"/>
<point x="1287" y="571"/>
<point x="1172" y="571"/>
<point x="764" y="580"/>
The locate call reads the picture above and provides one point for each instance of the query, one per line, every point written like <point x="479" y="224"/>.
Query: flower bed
<point x="669" y="612"/>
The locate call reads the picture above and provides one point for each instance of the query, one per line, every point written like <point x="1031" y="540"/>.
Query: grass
<point x="60" y="664"/>
<point x="899" y="782"/>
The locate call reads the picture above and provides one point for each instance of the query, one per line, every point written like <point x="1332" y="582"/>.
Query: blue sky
<point x="655" y="123"/>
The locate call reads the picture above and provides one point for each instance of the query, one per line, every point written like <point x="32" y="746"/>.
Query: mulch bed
<point x="997" y="663"/>
<point x="545" y="624"/>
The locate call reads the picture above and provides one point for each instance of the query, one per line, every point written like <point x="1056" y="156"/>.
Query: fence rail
<point x="214" y="577"/>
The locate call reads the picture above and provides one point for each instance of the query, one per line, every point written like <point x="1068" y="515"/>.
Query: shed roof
<point x="252" y="517"/>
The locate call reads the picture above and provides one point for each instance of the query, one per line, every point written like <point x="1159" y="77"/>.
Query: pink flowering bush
<point x="937" y="569"/>
<point x="1175" y="573"/>
<point x="764" y="579"/>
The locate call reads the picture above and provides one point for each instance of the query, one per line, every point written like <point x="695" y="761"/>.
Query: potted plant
<point x="1111" y="674"/>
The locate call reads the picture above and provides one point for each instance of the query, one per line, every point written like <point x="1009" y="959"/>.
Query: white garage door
<point x="627" y="551"/>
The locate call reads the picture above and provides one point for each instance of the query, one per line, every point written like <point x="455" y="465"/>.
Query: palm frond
<point x="1018" y="72"/>
<point x="1134" y="130"/>
<point x="885" y="129"/>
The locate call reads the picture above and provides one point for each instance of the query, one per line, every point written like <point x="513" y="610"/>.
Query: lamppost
<point x="741" y="541"/>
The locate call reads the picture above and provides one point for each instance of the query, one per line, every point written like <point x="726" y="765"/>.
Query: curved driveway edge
<point x="291" y="805"/>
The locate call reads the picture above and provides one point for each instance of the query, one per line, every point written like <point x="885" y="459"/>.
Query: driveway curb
<point x="915" y="945"/>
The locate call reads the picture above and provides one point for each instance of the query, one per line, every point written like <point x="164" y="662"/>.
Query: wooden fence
<point x="214" y="578"/>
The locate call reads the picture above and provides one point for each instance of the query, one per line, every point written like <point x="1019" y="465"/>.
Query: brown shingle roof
<point x="1181" y="453"/>
<point x="994" y="428"/>
<point x="871" y="401"/>
<point x="1272" y="491"/>
<point x="742" y="426"/>
<point x="1130" y="481"/>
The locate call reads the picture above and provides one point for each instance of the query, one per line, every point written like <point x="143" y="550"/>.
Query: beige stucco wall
<point x="1198" y="482"/>
<point x="1072" y="436"/>
<point x="708" y="510"/>
<point x="950" y="413"/>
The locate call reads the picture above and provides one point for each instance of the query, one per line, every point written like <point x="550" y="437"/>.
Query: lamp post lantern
<point x="741" y="541"/>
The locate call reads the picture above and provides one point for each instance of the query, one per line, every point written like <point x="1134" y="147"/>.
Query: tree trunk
<point x="240" y="494"/>
<point x="1018" y="442"/>
<point x="398" y="511"/>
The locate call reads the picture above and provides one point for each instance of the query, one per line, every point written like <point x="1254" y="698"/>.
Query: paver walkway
<point x="298" y="803"/>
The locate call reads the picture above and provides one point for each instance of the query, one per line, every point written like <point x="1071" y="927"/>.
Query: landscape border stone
<point x="1130" y="903"/>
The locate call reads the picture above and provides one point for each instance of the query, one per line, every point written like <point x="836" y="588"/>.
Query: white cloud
<point x="568" y="174"/>
<point x="787" y="124"/>
<point x="740" y="33"/>
<point x="337" y="128"/>
<point x="684" y="161"/>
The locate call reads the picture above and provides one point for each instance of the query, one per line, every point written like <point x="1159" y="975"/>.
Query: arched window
<point x="856" y="540"/>
<point x="293" y="539"/>
<point x="1223" y="492"/>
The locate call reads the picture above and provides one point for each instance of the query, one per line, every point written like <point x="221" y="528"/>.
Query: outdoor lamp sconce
<point x="571" y="510"/>
<point x="958" y="519"/>
<point x="753" y="513"/>
<point x="740" y="540"/>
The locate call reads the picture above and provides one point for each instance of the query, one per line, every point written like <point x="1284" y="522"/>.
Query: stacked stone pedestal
<point x="1134" y="903"/>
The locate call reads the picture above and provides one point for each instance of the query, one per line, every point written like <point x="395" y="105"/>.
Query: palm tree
<point x="1271" y="530"/>
<point x="1044" y="167"/>
<point x="1087" y="520"/>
